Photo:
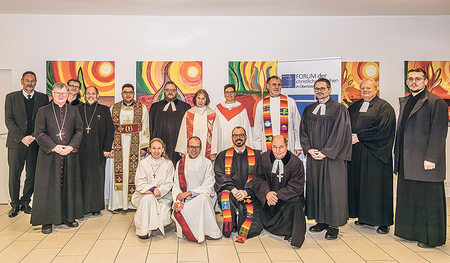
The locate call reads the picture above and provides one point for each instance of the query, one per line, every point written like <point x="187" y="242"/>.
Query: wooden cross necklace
<point x="60" y="134"/>
<point x="88" y="124"/>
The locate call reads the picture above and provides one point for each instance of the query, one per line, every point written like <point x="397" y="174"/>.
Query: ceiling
<point x="228" y="7"/>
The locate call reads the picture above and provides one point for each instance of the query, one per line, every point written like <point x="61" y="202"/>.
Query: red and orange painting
<point x="352" y="74"/>
<point x="100" y="74"/>
<point x="250" y="77"/>
<point x="151" y="76"/>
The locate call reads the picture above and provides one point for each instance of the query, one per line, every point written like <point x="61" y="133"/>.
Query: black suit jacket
<point x="16" y="116"/>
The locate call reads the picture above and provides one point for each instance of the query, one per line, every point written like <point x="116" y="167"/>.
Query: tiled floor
<point x="111" y="238"/>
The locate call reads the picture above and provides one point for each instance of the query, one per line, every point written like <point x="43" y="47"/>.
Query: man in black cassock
<point x="278" y="180"/>
<point x="74" y="86"/>
<point x="96" y="146"/>
<point x="420" y="164"/>
<point x="57" y="196"/>
<point x="326" y="135"/>
<point x="232" y="180"/>
<point x="165" y="119"/>
<point x="370" y="182"/>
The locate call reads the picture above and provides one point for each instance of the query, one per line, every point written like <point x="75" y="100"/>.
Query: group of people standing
<point x="178" y="163"/>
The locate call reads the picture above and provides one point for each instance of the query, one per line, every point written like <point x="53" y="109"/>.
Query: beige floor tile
<point x="4" y="209"/>
<point x="166" y="258"/>
<point x="94" y="225"/>
<point x="10" y="255"/>
<point x="346" y="257"/>
<point x="6" y="221"/>
<point x="115" y="231"/>
<point x="222" y="254"/>
<point x="313" y="253"/>
<point x="252" y="245"/>
<point x="123" y="217"/>
<point x="132" y="255"/>
<point x="437" y="257"/>
<point x="80" y="244"/>
<point x="401" y="253"/>
<point x="41" y="255"/>
<point x="19" y="226"/>
<point x="381" y="239"/>
<point x="414" y="247"/>
<point x="349" y="231"/>
<point x="221" y="242"/>
<point x="366" y="249"/>
<point x="309" y="240"/>
<point x="131" y="240"/>
<point x="277" y="248"/>
<point x="104" y="251"/>
<point x="68" y="259"/>
<point x="30" y="236"/>
<point x="55" y="240"/>
<point x="445" y="248"/>
<point x="336" y="245"/>
<point x="166" y="245"/>
<point x="246" y="257"/>
<point x="5" y="240"/>
<point x="190" y="251"/>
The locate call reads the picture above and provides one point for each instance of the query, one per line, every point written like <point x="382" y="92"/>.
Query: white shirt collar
<point x="26" y="94"/>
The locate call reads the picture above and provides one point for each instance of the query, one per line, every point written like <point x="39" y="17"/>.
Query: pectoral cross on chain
<point x="60" y="135"/>
<point x="87" y="129"/>
<point x="279" y="177"/>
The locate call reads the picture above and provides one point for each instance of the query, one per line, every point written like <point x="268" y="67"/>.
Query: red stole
<point x="190" y="129"/>
<point x="230" y="113"/>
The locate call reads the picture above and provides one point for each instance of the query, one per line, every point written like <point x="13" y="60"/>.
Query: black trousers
<point x="17" y="157"/>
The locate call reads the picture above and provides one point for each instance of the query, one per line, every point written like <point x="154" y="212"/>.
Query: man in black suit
<point x="21" y="108"/>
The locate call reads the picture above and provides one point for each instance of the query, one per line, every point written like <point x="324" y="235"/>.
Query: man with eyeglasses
<point x="276" y="114"/>
<point x="131" y="140"/>
<point x="326" y="138"/>
<point x="74" y="92"/>
<point x="166" y="117"/>
<point x="240" y="207"/>
<point x="21" y="108"/>
<point x="420" y="164"/>
<point x="96" y="146"/>
<point x="229" y="114"/>
<point x="194" y="196"/>
<point x="58" y="195"/>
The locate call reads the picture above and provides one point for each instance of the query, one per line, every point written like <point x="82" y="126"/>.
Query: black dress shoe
<point x="383" y="230"/>
<point x="319" y="227"/>
<point x="26" y="209"/>
<point x="144" y="237"/>
<point x="424" y="245"/>
<point x="361" y="224"/>
<point x="96" y="213"/>
<point x="332" y="233"/>
<point x="71" y="224"/>
<point x="46" y="229"/>
<point x="14" y="211"/>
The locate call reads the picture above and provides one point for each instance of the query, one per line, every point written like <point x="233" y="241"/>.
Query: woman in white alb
<point x="153" y="198"/>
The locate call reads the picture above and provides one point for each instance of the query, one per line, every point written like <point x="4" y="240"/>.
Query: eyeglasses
<point x="170" y="90"/>
<point x="59" y="94"/>
<point x="238" y="135"/>
<point x="74" y="87"/>
<point x="414" y="79"/>
<point x="195" y="147"/>
<point x="91" y="93"/>
<point x="127" y="92"/>
<point x="320" y="89"/>
<point x="229" y="92"/>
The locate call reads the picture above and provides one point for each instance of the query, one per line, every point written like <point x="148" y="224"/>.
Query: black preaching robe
<point x="326" y="180"/>
<point x="286" y="218"/>
<point x="370" y="173"/>
<point x="166" y="125"/>
<point x="92" y="160"/>
<point x="238" y="179"/>
<point x="57" y="187"/>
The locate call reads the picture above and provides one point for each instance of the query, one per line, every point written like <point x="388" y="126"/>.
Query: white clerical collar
<point x="236" y="149"/>
<point x="201" y="110"/>
<point x="278" y="164"/>
<point x="26" y="94"/>
<point x="171" y="104"/>
<point x="321" y="106"/>
<point x="364" y="106"/>
<point x="155" y="161"/>
<point x="231" y="105"/>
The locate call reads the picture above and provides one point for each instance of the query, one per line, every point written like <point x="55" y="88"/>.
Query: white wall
<point x="28" y="41"/>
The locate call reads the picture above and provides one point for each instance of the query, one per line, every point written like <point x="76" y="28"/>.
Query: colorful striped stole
<point x="284" y="120"/>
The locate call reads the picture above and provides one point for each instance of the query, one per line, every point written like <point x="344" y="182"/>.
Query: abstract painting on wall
<point x="438" y="74"/>
<point x="352" y="74"/>
<point x="151" y="76"/>
<point x="100" y="74"/>
<point x="250" y="77"/>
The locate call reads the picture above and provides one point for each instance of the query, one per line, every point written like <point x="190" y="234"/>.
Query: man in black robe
<point x="21" y="108"/>
<point x="74" y="86"/>
<point x="326" y="137"/>
<point x="233" y="172"/>
<point x="96" y="146"/>
<point x="278" y="180"/>
<point x="165" y="119"/>
<point x="370" y="182"/>
<point x="420" y="164"/>
<point x="58" y="195"/>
